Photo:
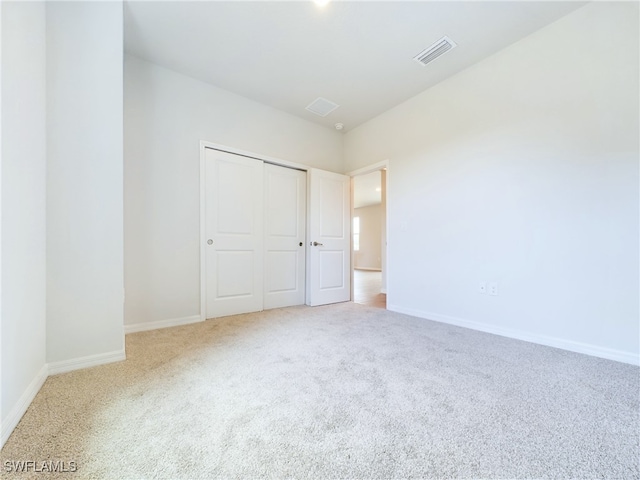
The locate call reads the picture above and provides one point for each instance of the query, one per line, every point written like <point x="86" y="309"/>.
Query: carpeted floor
<point x="342" y="391"/>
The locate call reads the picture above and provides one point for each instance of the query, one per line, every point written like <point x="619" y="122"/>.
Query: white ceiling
<point x="367" y="189"/>
<point x="357" y="54"/>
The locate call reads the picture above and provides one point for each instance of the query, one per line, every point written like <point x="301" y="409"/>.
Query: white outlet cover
<point x="493" y="288"/>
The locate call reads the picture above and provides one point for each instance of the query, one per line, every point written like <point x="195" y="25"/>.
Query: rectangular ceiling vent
<point x="439" y="48"/>
<point x="322" y="106"/>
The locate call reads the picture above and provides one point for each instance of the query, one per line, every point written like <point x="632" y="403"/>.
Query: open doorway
<point x="369" y="241"/>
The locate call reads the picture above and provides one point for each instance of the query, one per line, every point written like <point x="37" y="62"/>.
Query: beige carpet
<point x="343" y="391"/>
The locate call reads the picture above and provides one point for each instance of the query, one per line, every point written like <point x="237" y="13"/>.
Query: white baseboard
<point x="578" y="347"/>
<point x="86" y="362"/>
<point x="383" y="290"/>
<point x="368" y="269"/>
<point x="14" y="416"/>
<point x="171" y="322"/>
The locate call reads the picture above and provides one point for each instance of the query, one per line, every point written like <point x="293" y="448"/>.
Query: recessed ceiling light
<point x="321" y="3"/>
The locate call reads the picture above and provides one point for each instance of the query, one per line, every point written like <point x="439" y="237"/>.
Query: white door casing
<point x="285" y="201"/>
<point x="329" y="239"/>
<point x="384" y="168"/>
<point x="234" y="234"/>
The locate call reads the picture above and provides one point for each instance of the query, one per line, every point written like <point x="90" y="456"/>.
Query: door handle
<point x="316" y="244"/>
<point x="300" y="244"/>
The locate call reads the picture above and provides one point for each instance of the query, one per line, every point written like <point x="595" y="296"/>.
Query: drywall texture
<point x="370" y="254"/>
<point x="166" y="116"/>
<point x="23" y="201"/>
<point x="84" y="180"/>
<point x="522" y="170"/>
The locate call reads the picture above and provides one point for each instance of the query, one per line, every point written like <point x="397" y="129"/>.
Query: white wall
<point x="383" y="231"/>
<point x="84" y="182"/>
<point x="370" y="254"/>
<point x="522" y="169"/>
<point x="23" y="207"/>
<point x="166" y="116"/>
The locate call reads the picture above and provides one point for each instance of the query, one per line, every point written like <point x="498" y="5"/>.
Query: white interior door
<point x="234" y="233"/>
<point x="285" y="200"/>
<point x="329" y="240"/>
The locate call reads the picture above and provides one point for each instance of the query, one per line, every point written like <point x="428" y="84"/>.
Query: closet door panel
<point x="285" y="225"/>
<point x="235" y="235"/>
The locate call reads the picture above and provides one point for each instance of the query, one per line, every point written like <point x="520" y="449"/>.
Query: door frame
<point x="203" y="185"/>
<point x="383" y="165"/>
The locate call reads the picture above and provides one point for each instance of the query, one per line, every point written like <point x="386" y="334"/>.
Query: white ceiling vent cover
<point x="441" y="47"/>
<point x="322" y="106"/>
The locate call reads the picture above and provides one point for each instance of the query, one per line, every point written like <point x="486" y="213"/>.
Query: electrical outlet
<point x="493" y="288"/>
<point x="482" y="288"/>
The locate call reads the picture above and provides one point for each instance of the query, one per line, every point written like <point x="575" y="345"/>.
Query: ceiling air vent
<point x="434" y="51"/>
<point x="322" y="106"/>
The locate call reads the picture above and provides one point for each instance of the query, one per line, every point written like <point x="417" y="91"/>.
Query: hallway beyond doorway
<point x="366" y="288"/>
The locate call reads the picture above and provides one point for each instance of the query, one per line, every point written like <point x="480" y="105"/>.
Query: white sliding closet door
<point x="255" y="227"/>
<point x="285" y="192"/>
<point x="234" y="234"/>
